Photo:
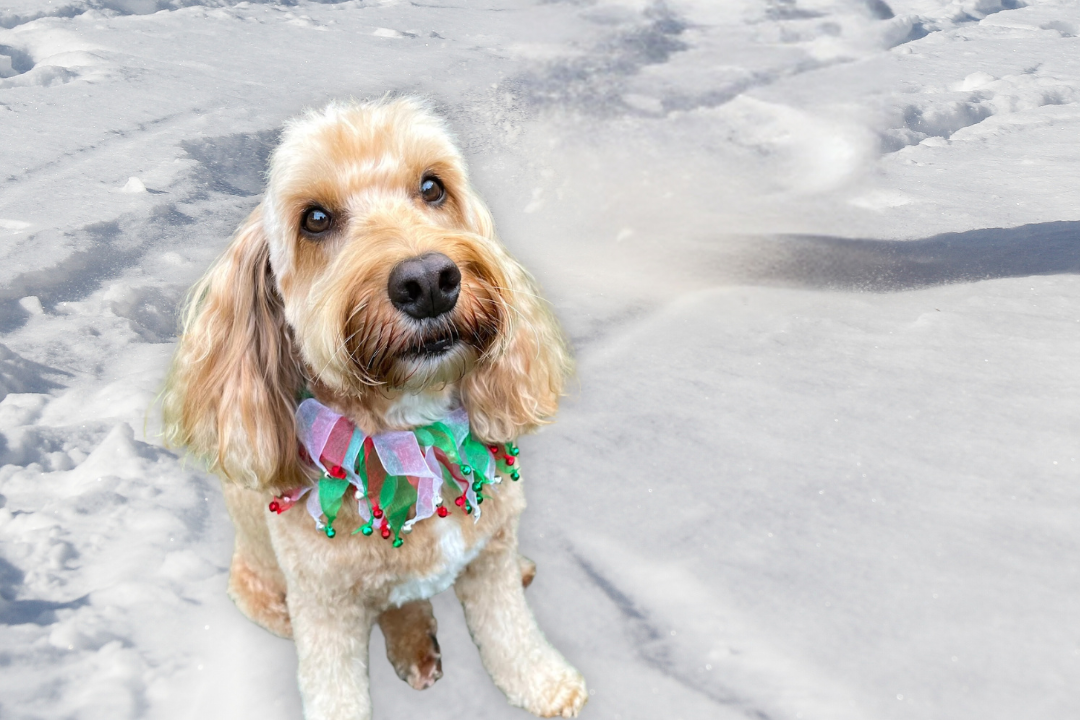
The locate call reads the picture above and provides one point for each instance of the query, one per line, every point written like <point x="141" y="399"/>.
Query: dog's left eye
<point x="432" y="190"/>
<point x="316" y="221"/>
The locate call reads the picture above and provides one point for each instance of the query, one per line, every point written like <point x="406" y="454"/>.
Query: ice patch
<point x="133" y="185"/>
<point x="387" y="33"/>
<point x="880" y="200"/>
<point x="13" y="226"/>
<point x="232" y="164"/>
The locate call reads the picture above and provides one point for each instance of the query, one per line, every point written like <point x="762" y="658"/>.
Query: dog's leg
<point x="256" y="583"/>
<point x="522" y="663"/>
<point x="259" y="593"/>
<point x="332" y="649"/>
<point x="411" y="646"/>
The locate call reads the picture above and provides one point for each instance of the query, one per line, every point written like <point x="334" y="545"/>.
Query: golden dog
<point x="370" y="279"/>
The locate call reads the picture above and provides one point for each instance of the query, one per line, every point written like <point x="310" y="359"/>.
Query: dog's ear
<point x="516" y="386"/>
<point x="230" y="395"/>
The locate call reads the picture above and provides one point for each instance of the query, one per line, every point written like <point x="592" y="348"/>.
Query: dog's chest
<point x="454" y="555"/>
<point x="422" y="408"/>
<point x="413" y="409"/>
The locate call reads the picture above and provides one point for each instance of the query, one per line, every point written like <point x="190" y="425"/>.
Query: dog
<point x="368" y="294"/>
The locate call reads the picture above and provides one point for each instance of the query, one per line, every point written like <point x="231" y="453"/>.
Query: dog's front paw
<point x="560" y="693"/>
<point x="528" y="570"/>
<point x="423" y="668"/>
<point x="411" y="645"/>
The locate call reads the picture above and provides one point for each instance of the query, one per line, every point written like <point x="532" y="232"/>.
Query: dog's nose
<point x="425" y="286"/>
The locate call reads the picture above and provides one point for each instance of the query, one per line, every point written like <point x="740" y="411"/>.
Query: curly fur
<point x="281" y="310"/>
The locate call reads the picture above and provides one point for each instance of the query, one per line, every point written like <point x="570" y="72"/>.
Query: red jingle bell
<point x="443" y="512"/>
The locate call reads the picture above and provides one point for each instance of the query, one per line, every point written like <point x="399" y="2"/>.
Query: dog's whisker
<point x="380" y="346"/>
<point x="521" y="291"/>
<point x="343" y="345"/>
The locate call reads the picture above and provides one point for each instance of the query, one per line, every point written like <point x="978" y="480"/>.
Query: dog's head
<point x="370" y="268"/>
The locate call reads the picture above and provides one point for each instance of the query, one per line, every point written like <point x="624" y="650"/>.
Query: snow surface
<point x="819" y="260"/>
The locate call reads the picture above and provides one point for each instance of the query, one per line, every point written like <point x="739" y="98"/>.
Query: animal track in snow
<point x="909" y="28"/>
<point x="14" y="61"/>
<point x="595" y="82"/>
<point x="19" y="375"/>
<point x="43" y="55"/>
<point x="971" y="101"/>
<point x="1067" y="29"/>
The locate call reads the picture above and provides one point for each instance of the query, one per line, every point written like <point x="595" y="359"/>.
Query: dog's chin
<point x="438" y="362"/>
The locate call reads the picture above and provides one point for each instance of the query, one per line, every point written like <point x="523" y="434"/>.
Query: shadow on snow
<point x="833" y="263"/>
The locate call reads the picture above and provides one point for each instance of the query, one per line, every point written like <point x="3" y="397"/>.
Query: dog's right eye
<point x="432" y="190"/>
<point x="316" y="221"/>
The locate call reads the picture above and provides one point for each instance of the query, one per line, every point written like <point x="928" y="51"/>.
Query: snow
<point x="819" y="262"/>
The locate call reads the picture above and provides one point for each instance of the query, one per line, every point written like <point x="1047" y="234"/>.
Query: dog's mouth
<point x="430" y="358"/>
<point x="433" y="346"/>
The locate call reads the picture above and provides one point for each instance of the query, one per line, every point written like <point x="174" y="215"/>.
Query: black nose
<point x="425" y="286"/>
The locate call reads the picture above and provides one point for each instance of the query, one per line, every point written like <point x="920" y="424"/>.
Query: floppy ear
<point x="516" y="387"/>
<point x="230" y="395"/>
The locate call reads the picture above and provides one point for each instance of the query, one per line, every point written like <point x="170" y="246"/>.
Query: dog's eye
<point x="316" y="221"/>
<point x="432" y="190"/>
